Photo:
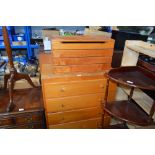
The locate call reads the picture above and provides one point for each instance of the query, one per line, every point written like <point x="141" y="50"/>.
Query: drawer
<point x="54" y="90"/>
<point x="29" y="118"/>
<point x="6" y="121"/>
<point x="75" y="115"/>
<point x="82" y="45"/>
<point x="74" y="102"/>
<point x="80" y="68"/>
<point x="21" y="119"/>
<point x="82" y="53"/>
<point x="81" y="61"/>
<point x="84" y="124"/>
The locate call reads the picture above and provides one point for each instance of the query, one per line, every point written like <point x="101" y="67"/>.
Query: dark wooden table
<point x="28" y="111"/>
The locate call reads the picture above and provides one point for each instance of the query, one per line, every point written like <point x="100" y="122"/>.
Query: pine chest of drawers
<point x="73" y="82"/>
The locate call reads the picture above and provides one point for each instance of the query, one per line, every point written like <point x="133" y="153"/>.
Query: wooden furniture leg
<point x="14" y="75"/>
<point x="10" y="84"/>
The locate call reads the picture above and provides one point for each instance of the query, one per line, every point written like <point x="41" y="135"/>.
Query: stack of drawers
<point x="73" y="81"/>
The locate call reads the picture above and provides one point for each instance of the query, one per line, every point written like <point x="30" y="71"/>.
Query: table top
<point x="26" y="100"/>
<point x="133" y="76"/>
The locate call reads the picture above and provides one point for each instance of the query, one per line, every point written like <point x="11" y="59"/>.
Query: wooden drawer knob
<point x="101" y="86"/>
<point x="62" y="89"/>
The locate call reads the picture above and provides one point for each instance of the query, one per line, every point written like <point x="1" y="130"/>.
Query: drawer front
<point x="74" y="102"/>
<point x="85" y="124"/>
<point x="29" y="118"/>
<point x="6" y="121"/>
<point x="80" y="68"/>
<point x="81" y="61"/>
<point x="74" y="88"/>
<point x="81" y="45"/>
<point x="21" y="119"/>
<point x="82" y="53"/>
<point x="75" y="115"/>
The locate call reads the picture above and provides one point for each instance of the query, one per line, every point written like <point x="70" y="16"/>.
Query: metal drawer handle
<point x="29" y="119"/>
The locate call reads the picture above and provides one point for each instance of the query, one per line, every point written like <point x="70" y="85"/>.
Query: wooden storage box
<point x="81" y="54"/>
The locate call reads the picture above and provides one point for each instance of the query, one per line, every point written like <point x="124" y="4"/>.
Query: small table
<point x="128" y="110"/>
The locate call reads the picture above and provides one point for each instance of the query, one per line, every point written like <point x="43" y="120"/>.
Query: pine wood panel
<point x="80" y="68"/>
<point x="53" y="90"/>
<point x="81" y="61"/>
<point x="84" y="124"/>
<point x="112" y="91"/>
<point x="82" y="53"/>
<point x="64" y="78"/>
<point x="74" y="102"/>
<point x="111" y="95"/>
<point x="75" y="115"/>
<point x="81" y="45"/>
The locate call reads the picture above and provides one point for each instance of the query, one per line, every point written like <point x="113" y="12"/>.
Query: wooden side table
<point x="128" y="110"/>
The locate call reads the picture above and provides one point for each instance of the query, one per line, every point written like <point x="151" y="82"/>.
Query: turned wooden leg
<point x="10" y="86"/>
<point x="6" y="78"/>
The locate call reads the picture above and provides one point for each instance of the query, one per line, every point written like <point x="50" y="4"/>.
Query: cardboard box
<point x="96" y="32"/>
<point x="50" y="33"/>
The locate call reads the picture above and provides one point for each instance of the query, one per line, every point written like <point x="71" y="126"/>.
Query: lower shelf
<point x="128" y="112"/>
